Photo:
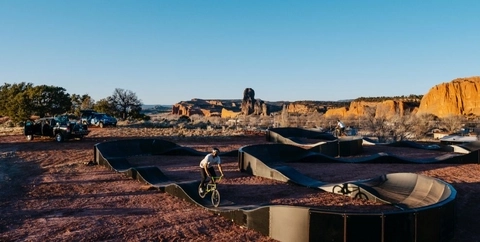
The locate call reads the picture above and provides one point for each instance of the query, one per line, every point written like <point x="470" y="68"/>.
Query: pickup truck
<point x="58" y="127"/>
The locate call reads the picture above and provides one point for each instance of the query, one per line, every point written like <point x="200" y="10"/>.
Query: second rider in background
<point x="340" y="129"/>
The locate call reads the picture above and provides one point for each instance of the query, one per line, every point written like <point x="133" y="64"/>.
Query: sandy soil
<point x="48" y="193"/>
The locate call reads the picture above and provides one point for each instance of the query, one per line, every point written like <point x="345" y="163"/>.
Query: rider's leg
<point x="212" y="173"/>
<point x="204" y="177"/>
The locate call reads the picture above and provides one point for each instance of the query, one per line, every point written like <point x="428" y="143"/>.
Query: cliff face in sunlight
<point x="458" y="97"/>
<point x="386" y="108"/>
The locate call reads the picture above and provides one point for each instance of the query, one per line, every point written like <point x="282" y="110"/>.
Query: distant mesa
<point x="248" y="105"/>
<point x="458" y="97"/>
<point x="208" y="108"/>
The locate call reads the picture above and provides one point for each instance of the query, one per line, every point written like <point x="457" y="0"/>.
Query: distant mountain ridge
<point x="156" y="106"/>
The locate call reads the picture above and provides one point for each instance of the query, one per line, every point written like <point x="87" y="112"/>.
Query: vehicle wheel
<point x="215" y="198"/>
<point x="59" y="137"/>
<point x="337" y="189"/>
<point x="101" y="125"/>
<point x="29" y="137"/>
<point x="201" y="194"/>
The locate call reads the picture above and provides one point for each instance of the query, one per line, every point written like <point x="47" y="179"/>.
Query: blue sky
<point x="172" y="51"/>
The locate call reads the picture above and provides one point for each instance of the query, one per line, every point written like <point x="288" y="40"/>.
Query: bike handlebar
<point x="216" y="178"/>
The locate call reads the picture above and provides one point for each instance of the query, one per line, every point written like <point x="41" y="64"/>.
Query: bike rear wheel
<point x="202" y="192"/>
<point x="215" y="198"/>
<point x="338" y="189"/>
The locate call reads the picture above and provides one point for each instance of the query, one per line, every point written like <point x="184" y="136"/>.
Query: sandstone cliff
<point x="458" y="97"/>
<point x="226" y="113"/>
<point x="305" y="107"/>
<point x="386" y="108"/>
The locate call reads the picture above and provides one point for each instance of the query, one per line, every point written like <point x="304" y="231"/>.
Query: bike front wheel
<point x="215" y="198"/>
<point x="361" y="195"/>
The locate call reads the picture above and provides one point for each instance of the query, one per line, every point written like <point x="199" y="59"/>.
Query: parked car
<point x="59" y="127"/>
<point x="90" y="117"/>
<point x="102" y="119"/>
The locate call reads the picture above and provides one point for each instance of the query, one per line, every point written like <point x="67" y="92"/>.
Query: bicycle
<point x="211" y="187"/>
<point x="344" y="189"/>
<point x="338" y="132"/>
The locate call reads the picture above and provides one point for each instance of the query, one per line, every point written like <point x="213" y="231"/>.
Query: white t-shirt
<point x="340" y="124"/>
<point x="209" y="160"/>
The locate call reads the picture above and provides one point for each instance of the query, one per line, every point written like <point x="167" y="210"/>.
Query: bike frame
<point x="212" y="185"/>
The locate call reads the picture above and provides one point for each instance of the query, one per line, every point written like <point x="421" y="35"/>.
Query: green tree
<point x="87" y="102"/>
<point x="15" y="101"/>
<point x="80" y="103"/>
<point x="50" y="100"/>
<point x="75" y="98"/>
<point x="20" y="108"/>
<point x="104" y="106"/>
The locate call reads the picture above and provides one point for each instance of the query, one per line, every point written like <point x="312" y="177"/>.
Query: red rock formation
<point x="207" y="108"/>
<point x="248" y="101"/>
<point x="458" y="97"/>
<point x="386" y="108"/>
<point x="250" y="105"/>
<point x="336" y="112"/>
<point x="301" y="108"/>
<point x="229" y="113"/>
<point x="186" y="109"/>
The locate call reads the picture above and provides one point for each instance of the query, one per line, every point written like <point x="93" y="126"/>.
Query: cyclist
<point x="206" y="166"/>
<point x="340" y="129"/>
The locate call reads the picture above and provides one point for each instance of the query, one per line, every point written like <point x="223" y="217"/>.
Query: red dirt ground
<point x="48" y="193"/>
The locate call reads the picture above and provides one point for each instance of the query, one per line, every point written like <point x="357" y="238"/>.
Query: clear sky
<point x="172" y="51"/>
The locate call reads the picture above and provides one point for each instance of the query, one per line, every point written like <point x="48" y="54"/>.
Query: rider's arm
<point x="206" y="170"/>
<point x="220" y="169"/>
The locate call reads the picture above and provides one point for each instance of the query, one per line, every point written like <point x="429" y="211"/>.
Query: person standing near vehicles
<point x="206" y="166"/>
<point x="340" y="128"/>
